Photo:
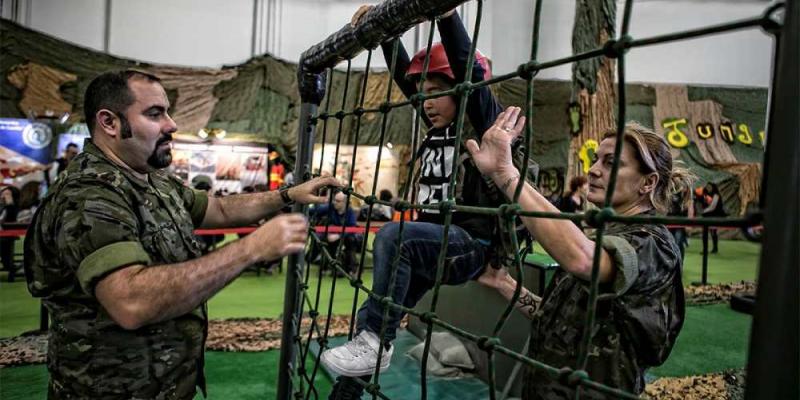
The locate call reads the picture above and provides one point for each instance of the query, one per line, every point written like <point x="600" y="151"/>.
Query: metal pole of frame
<point x="291" y="321"/>
<point x="704" y="278"/>
<point x="773" y="370"/>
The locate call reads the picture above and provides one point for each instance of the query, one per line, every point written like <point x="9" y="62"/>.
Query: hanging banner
<point x="25" y="147"/>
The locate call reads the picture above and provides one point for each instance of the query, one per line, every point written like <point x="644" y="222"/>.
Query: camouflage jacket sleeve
<point x="644" y="258"/>
<point x="97" y="232"/>
<point x="650" y="300"/>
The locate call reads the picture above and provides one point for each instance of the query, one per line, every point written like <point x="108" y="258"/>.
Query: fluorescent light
<point x="191" y="146"/>
<point x="221" y="148"/>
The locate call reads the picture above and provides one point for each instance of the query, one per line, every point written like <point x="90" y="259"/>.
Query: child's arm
<point x="409" y="88"/>
<point x="401" y="66"/>
<point x="482" y="107"/>
<point x="403" y="61"/>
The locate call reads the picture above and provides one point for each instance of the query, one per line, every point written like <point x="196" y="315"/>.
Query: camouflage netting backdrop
<point x="47" y="77"/>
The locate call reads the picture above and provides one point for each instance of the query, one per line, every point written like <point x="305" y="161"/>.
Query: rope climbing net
<point x="299" y="366"/>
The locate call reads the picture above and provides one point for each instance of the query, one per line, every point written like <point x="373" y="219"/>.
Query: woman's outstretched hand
<point x="493" y="155"/>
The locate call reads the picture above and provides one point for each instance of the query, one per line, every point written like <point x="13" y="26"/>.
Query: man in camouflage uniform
<point x="112" y="254"/>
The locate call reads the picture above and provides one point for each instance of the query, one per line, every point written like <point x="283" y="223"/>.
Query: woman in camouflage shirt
<point x="640" y="309"/>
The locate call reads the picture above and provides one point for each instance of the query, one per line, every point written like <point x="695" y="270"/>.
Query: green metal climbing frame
<point x="299" y="367"/>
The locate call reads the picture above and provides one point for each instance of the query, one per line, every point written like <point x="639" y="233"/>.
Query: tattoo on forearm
<point x="529" y="303"/>
<point x="508" y="183"/>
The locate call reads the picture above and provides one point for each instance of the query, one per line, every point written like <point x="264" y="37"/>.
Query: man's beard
<point x="161" y="157"/>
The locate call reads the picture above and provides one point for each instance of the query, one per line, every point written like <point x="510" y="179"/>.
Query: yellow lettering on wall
<point x="675" y="136"/>
<point x="705" y="130"/>
<point x="763" y="137"/>
<point x="745" y="137"/>
<point x="726" y="131"/>
<point x="586" y="154"/>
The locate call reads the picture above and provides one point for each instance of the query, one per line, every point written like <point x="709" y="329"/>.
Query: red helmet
<point x="439" y="64"/>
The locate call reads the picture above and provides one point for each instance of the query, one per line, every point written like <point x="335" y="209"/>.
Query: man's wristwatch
<point x="287" y="201"/>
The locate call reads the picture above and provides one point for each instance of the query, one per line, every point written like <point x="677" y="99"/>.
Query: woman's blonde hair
<point x="653" y="154"/>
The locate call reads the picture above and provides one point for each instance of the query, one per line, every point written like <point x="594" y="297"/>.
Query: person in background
<point x="54" y="169"/>
<point x="69" y="153"/>
<point x="340" y="216"/>
<point x="681" y="206"/>
<point x="575" y="200"/>
<point x="9" y="198"/>
<point x="380" y="212"/>
<point x="714" y="208"/>
<point x="29" y="199"/>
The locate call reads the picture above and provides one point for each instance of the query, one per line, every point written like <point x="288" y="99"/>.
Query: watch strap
<point x="285" y="197"/>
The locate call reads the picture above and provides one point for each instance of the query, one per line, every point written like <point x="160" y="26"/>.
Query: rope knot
<point x="463" y="88"/>
<point x="401" y="205"/>
<point x="447" y="206"/>
<point x="347" y="190"/>
<point x="313" y="314"/>
<point x="563" y="375"/>
<point x="323" y="116"/>
<point x="417" y="99"/>
<point x="370" y="200"/>
<point x="509" y="211"/>
<point x="385" y="107"/>
<point x="597" y="217"/>
<point x="488" y="343"/>
<point x="386" y="300"/>
<point x="356" y="283"/>
<point x="427" y="317"/>
<point x="615" y="48"/>
<point x="576" y="377"/>
<point x="373" y="388"/>
<point x="528" y="70"/>
<point x="340" y="115"/>
<point x="359" y="111"/>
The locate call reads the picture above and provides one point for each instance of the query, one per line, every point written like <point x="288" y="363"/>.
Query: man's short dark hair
<point x="70" y="145"/>
<point x="110" y="91"/>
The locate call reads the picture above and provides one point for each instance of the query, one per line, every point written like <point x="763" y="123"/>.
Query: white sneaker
<point x="358" y="356"/>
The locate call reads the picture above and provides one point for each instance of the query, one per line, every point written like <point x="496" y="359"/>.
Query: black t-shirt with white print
<point x="436" y="154"/>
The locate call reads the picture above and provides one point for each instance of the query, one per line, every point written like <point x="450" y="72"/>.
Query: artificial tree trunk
<point x="592" y="80"/>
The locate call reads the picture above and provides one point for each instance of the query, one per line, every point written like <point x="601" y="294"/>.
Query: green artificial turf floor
<point x="229" y="376"/>
<point x="713" y="337"/>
